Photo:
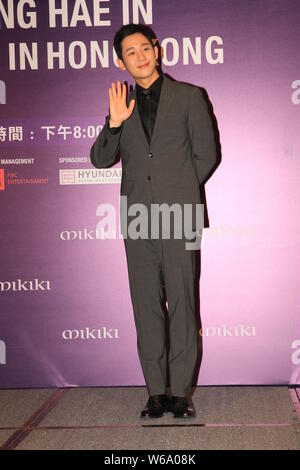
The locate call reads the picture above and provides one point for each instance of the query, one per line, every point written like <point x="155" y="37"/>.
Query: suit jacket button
<point x="150" y="155"/>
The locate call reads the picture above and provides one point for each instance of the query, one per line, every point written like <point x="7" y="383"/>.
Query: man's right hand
<point x="118" y="109"/>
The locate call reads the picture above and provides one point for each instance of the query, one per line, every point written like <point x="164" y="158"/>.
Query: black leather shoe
<point x="156" y="406"/>
<point x="181" y="407"/>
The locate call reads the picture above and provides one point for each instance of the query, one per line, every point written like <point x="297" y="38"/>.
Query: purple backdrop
<point x="66" y="317"/>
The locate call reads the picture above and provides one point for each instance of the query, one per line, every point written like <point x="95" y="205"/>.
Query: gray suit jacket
<point x="181" y="154"/>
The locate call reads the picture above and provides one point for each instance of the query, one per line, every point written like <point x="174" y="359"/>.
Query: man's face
<point x="139" y="57"/>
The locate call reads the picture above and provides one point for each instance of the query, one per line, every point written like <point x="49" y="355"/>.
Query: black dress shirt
<point x="147" y="102"/>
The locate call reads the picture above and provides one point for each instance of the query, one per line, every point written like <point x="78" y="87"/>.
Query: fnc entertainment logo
<point x="2" y="180"/>
<point x="2" y="352"/>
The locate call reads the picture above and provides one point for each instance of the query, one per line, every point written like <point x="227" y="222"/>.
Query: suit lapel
<point x="135" y="117"/>
<point x="166" y="95"/>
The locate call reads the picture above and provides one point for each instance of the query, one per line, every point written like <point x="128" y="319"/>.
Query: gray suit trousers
<point x="151" y="261"/>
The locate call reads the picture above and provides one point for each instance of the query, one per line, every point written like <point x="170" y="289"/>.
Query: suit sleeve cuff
<point x="114" y="130"/>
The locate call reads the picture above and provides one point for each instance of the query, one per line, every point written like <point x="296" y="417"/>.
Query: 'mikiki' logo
<point x="20" y="285"/>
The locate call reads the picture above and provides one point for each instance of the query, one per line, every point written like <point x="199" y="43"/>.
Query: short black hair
<point x="129" y="29"/>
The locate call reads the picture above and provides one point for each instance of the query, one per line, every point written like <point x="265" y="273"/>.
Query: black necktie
<point x="147" y="114"/>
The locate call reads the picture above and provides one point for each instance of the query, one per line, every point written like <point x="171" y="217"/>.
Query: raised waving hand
<point x="118" y="109"/>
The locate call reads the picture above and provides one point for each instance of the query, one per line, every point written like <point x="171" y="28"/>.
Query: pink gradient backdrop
<point x="250" y="270"/>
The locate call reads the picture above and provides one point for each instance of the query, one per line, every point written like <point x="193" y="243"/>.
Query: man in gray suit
<point x="164" y="134"/>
